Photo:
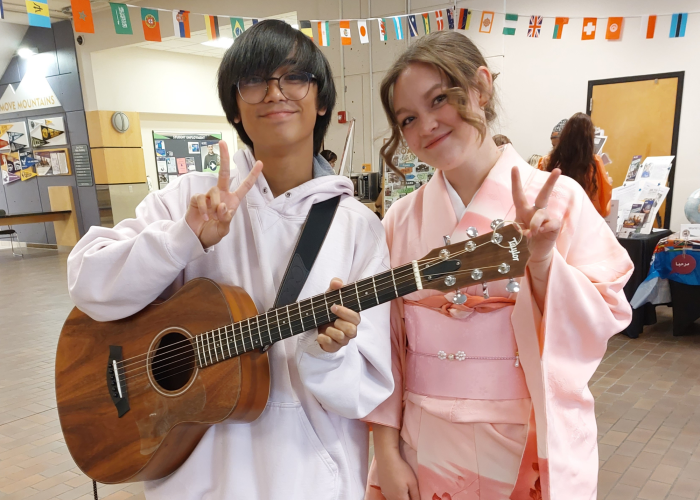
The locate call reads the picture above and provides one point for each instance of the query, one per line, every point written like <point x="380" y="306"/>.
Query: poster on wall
<point x="13" y="137"/>
<point x="179" y="153"/>
<point x="211" y="161"/>
<point x="417" y="174"/>
<point x="11" y="167"/>
<point x="47" y="132"/>
<point x="52" y="162"/>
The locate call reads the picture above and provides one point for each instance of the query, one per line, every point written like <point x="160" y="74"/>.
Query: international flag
<point x="678" y="22"/>
<point x="426" y="23"/>
<point x="614" y="28"/>
<point x="325" y="40"/>
<point x="181" y="23"/>
<point x="589" y="26"/>
<point x="486" y="22"/>
<point x="450" y="19"/>
<point x="559" y="23"/>
<point x="465" y="19"/>
<point x="510" y="23"/>
<point x="439" y="21"/>
<point x="648" y="26"/>
<point x="212" y="25"/>
<point x="305" y="27"/>
<point x="122" y="21"/>
<point x="362" y="30"/>
<point x="345" y="35"/>
<point x="38" y="13"/>
<point x="398" y="28"/>
<point x="412" y="26"/>
<point x="151" y="26"/>
<point x="238" y="27"/>
<point x="255" y="21"/>
<point x="82" y="16"/>
<point x="381" y="24"/>
<point x="2" y="11"/>
<point x="535" y="27"/>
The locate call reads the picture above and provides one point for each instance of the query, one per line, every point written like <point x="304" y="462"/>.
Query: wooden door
<point x="640" y="115"/>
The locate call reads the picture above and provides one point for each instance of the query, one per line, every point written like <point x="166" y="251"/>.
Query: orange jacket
<point x="601" y="198"/>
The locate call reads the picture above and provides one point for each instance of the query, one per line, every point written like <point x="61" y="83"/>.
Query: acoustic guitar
<point x="136" y="395"/>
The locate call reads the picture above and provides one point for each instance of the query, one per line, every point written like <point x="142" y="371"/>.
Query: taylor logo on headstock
<point x="514" y="249"/>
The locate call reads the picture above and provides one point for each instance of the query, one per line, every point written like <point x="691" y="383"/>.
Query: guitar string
<point x="269" y="326"/>
<point x="408" y="272"/>
<point x="190" y="354"/>
<point x="239" y="338"/>
<point x="295" y="315"/>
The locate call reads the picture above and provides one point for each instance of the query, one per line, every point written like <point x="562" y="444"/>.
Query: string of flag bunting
<point x="457" y="18"/>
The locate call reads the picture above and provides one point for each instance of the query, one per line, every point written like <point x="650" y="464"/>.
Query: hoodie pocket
<point x="300" y="466"/>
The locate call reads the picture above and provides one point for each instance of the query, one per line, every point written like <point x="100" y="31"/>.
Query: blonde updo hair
<point x="457" y="59"/>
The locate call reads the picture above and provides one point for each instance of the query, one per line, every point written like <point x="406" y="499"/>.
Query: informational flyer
<point x="633" y="170"/>
<point x="181" y="166"/>
<point x="417" y="173"/>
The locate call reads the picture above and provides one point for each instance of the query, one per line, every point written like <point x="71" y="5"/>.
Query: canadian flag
<point x="440" y="22"/>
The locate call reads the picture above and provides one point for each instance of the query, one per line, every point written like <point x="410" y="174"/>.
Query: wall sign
<point x="33" y="92"/>
<point x="81" y="165"/>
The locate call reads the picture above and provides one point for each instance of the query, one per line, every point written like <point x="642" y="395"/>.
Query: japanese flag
<point x="362" y="29"/>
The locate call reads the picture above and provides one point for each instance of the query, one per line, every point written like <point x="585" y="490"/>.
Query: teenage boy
<point x="240" y="228"/>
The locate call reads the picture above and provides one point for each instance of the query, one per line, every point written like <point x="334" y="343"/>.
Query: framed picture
<point x="52" y="162"/>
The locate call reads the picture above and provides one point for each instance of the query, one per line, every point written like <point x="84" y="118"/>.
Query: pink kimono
<point x="492" y="397"/>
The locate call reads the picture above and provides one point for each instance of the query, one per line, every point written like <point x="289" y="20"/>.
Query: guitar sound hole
<point x="173" y="362"/>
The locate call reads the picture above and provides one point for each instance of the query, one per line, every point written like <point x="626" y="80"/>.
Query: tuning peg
<point x="472" y="232"/>
<point x="477" y="274"/>
<point x="446" y="239"/>
<point x="503" y="268"/>
<point x="495" y="223"/>
<point x="486" y="290"/>
<point x="496" y="238"/>
<point x="513" y="286"/>
<point x="450" y="280"/>
<point x="459" y="298"/>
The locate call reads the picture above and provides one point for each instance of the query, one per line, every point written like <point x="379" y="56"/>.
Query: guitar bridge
<point x="116" y="380"/>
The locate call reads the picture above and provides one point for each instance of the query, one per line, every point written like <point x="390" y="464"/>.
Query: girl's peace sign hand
<point x="209" y="215"/>
<point x="540" y="228"/>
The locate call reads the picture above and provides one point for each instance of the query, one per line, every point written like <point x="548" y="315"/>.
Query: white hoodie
<point x="308" y="443"/>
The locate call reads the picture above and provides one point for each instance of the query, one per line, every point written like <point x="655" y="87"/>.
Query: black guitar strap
<point x="312" y="236"/>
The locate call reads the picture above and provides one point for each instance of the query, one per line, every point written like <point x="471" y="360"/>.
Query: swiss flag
<point x="614" y="28"/>
<point x="589" y="25"/>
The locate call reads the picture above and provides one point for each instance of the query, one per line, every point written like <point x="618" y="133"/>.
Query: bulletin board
<point x="178" y="153"/>
<point x="417" y="174"/>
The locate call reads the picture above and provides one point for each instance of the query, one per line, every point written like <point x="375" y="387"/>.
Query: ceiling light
<point x="26" y="52"/>
<point x="222" y="43"/>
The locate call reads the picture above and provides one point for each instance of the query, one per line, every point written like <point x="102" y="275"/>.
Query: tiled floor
<point x="647" y="392"/>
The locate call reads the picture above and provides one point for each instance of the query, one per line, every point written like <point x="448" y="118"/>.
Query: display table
<point x="686" y="306"/>
<point x="640" y="250"/>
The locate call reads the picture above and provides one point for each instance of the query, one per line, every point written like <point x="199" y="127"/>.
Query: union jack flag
<point x="535" y="27"/>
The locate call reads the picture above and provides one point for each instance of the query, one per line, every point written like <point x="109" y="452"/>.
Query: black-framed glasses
<point x="293" y="85"/>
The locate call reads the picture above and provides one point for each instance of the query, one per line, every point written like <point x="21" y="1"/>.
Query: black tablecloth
<point x="640" y="251"/>
<point x="686" y="305"/>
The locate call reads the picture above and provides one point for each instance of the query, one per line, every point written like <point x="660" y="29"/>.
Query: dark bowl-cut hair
<point x="262" y="49"/>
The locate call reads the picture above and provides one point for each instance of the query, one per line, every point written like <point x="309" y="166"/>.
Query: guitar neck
<point x="265" y="329"/>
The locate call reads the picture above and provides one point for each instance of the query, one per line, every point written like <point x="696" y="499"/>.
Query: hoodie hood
<point x="297" y="201"/>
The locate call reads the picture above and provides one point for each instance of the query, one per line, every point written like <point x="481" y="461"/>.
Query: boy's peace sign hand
<point x="209" y="215"/>
<point x="540" y="228"/>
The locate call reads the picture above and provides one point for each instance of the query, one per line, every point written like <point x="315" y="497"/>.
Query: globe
<point x="692" y="207"/>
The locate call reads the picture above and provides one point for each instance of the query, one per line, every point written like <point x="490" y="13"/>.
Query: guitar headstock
<point x="493" y="256"/>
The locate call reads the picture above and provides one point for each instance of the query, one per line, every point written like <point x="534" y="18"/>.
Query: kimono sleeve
<point x="584" y="306"/>
<point x="390" y="412"/>
<point x="115" y="272"/>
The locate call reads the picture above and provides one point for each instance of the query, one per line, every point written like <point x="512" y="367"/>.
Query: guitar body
<point x="171" y="402"/>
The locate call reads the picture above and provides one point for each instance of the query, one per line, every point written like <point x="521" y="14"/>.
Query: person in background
<point x="574" y="156"/>
<point x="330" y="157"/>
<point x="556" y="132"/>
<point x="491" y="397"/>
<point x="534" y="160"/>
<point x="501" y="139"/>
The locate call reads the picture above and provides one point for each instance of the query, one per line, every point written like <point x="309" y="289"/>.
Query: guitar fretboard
<point x="283" y="322"/>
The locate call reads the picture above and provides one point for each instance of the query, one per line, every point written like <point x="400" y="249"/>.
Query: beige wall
<point x="541" y="80"/>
